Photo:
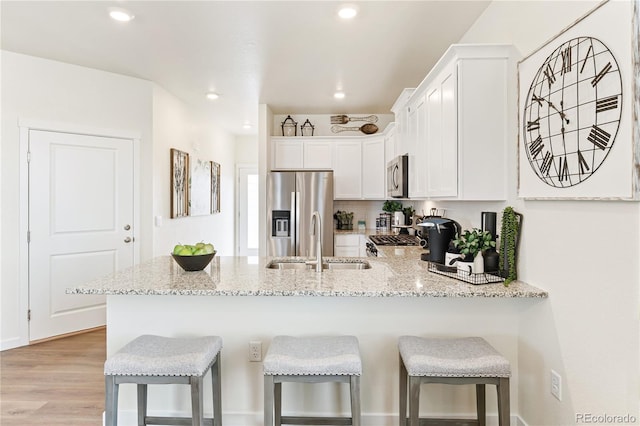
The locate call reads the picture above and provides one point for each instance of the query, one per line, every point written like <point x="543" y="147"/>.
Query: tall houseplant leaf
<point x="509" y="243"/>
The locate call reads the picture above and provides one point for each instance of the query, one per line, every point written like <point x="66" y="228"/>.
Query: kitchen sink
<point x="331" y="265"/>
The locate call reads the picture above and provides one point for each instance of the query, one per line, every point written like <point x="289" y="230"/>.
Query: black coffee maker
<point x="440" y="231"/>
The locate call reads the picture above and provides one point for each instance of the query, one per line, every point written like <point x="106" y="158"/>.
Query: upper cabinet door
<point x="287" y="154"/>
<point x="373" y="168"/>
<point x="442" y="135"/>
<point x="417" y="147"/>
<point x="347" y="170"/>
<point x="318" y="155"/>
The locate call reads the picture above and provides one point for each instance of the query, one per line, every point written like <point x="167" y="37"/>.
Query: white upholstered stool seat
<point x="165" y="360"/>
<point x="467" y="360"/>
<point x="311" y="360"/>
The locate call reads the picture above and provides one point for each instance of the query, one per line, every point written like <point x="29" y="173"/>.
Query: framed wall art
<point x="215" y="187"/>
<point x="200" y="187"/>
<point x="578" y="110"/>
<point x="179" y="182"/>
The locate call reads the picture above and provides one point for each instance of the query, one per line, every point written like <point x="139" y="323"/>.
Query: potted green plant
<point x="391" y="206"/>
<point x="471" y="244"/>
<point x="509" y="242"/>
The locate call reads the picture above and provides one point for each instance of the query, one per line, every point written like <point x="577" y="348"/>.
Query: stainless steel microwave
<point x="398" y="177"/>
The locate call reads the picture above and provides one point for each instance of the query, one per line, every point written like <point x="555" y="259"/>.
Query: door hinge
<point x="29" y="315"/>
<point x="28" y="156"/>
<point x="28" y="236"/>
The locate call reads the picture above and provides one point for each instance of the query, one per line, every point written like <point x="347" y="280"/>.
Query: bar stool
<point x="154" y="360"/>
<point x="458" y="361"/>
<point x="311" y="360"/>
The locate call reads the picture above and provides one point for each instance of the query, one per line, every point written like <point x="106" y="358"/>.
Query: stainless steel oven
<point x="398" y="177"/>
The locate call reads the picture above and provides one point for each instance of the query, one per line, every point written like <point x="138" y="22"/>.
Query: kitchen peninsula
<point x="241" y="300"/>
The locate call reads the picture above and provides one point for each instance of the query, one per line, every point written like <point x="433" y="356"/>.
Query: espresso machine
<point x="440" y="231"/>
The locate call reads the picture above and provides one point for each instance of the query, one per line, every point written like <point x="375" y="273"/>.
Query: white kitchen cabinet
<point x="441" y="162"/>
<point x="417" y="146"/>
<point x="318" y="154"/>
<point x="347" y="170"/>
<point x="287" y="154"/>
<point x="457" y="125"/>
<point x="373" y="168"/>
<point x="349" y="245"/>
<point x="390" y="144"/>
<point x="300" y="154"/>
<point x="400" y="110"/>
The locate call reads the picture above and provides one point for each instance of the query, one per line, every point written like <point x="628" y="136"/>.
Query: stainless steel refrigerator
<point x="292" y="197"/>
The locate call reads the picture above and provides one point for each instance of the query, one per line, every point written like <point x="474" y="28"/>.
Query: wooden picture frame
<point x="215" y="187"/>
<point x="199" y="187"/>
<point x="179" y="183"/>
<point x="578" y="109"/>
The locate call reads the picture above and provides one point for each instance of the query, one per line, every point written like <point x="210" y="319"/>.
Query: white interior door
<point x="248" y="234"/>
<point x="81" y="225"/>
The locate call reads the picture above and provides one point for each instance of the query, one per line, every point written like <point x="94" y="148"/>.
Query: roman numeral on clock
<point x="549" y="74"/>
<point x="563" y="169"/>
<point x="606" y="104"/>
<point x="599" y="137"/>
<point x="534" y="98"/>
<point x="582" y="163"/>
<point x="566" y="60"/>
<point x="601" y="74"/>
<point x="584" y="62"/>
<point x="536" y="147"/>
<point x="546" y="163"/>
<point x="533" y="125"/>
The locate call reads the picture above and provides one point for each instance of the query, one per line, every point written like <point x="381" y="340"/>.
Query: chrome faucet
<point x="316" y="230"/>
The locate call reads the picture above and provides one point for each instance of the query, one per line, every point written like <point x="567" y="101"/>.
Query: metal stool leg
<point x="414" y="400"/>
<point x="402" y="417"/>
<point x="217" y="392"/>
<point x="197" y="415"/>
<point x="504" y="414"/>
<point x="111" y="401"/>
<point x="355" y="400"/>
<point x="481" y="405"/>
<point x="142" y="404"/>
<point x="277" y="402"/>
<point x="268" y="400"/>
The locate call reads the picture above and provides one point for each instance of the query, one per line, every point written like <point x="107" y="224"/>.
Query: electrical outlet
<point x="556" y="385"/>
<point x="255" y="351"/>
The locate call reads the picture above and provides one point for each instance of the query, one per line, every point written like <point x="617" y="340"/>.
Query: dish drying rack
<point x="470" y="278"/>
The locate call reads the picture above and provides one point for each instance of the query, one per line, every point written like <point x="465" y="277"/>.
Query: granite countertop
<point x="394" y="276"/>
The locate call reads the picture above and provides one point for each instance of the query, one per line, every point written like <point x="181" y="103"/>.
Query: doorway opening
<point x="247" y="210"/>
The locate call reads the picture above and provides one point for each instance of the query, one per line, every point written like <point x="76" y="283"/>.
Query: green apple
<point x="199" y="252"/>
<point x="208" y="248"/>
<point x="185" y="251"/>
<point x="177" y="248"/>
<point x="200" y="245"/>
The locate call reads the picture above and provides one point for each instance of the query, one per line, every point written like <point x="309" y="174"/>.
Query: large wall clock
<point x="572" y="112"/>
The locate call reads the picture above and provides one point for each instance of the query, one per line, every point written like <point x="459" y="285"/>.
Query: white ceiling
<point x="292" y="55"/>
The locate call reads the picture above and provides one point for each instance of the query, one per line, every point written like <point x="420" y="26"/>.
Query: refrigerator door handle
<point x="295" y="201"/>
<point x="293" y="245"/>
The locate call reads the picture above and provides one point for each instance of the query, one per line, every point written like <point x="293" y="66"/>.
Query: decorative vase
<point x="478" y="263"/>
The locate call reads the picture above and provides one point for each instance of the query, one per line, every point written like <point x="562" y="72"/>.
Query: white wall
<point x="585" y="254"/>
<point x="246" y="149"/>
<point x="175" y="125"/>
<point x="48" y="91"/>
<point x="44" y="90"/>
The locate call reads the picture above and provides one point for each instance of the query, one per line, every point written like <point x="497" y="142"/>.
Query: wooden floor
<point x="54" y="383"/>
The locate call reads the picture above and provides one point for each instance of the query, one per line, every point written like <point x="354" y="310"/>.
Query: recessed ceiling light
<point x="121" y="15"/>
<point x="338" y="95"/>
<point x="348" y="11"/>
<point x="212" y="95"/>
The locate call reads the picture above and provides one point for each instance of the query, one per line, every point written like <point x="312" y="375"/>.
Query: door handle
<point x="127" y="227"/>
<point x="128" y="239"/>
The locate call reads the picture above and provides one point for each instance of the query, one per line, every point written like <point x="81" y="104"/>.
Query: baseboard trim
<point x="62" y="336"/>
<point x="129" y="418"/>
